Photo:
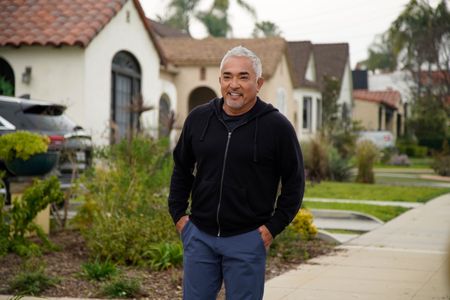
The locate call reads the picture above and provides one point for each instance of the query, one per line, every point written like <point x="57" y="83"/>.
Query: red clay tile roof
<point x="54" y="22"/>
<point x="390" y="98"/>
<point x="188" y="51"/>
<point x="331" y="60"/>
<point x="299" y="54"/>
<point x="59" y="22"/>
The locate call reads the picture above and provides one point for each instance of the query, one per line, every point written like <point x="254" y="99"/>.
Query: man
<point x="231" y="156"/>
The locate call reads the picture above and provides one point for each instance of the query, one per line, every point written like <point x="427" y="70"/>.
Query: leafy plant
<point x="22" y="144"/>
<point x="99" y="270"/>
<point x="366" y="156"/>
<point x="32" y="280"/>
<point x="6" y="87"/>
<point x="125" y="203"/>
<point x="122" y="288"/>
<point x="165" y="255"/>
<point x="303" y="224"/>
<point x="441" y="161"/>
<point x="339" y="168"/>
<point x="316" y="159"/>
<point x="17" y="223"/>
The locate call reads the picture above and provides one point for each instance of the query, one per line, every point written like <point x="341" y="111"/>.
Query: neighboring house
<point x="333" y="60"/>
<point x="194" y="69"/>
<point x="307" y="93"/>
<point x="379" y="110"/>
<point x="311" y="63"/>
<point x="97" y="57"/>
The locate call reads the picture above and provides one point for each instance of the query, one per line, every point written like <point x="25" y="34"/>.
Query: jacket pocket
<point x="204" y="200"/>
<point x="236" y="211"/>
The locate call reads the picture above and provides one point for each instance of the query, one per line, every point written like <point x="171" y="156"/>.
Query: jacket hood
<point x="259" y="110"/>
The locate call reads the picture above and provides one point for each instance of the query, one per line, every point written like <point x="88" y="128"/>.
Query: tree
<point x="266" y="29"/>
<point x="420" y="41"/>
<point x="330" y="107"/>
<point x="215" y="20"/>
<point x="381" y="56"/>
<point x="179" y="14"/>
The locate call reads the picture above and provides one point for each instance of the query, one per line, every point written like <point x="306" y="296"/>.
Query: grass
<point x="360" y="191"/>
<point x="416" y="163"/>
<point x="98" y="270"/>
<point x="384" y="213"/>
<point x="32" y="283"/>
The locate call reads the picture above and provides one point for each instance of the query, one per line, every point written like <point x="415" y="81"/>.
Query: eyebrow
<point x="240" y="73"/>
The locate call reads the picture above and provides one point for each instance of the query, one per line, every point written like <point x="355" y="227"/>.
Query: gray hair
<point x="244" y="52"/>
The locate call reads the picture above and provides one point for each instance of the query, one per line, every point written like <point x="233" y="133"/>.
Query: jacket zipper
<point x="221" y="181"/>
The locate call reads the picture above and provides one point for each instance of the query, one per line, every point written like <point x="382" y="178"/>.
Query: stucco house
<point x="96" y="57"/>
<point x="311" y="63"/>
<point x="194" y="69"/>
<point x="379" y="110"/>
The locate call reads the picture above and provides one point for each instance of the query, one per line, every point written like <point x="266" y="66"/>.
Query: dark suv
<point x="66" y="137"/>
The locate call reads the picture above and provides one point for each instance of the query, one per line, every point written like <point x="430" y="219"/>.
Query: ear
<point x="220" y="79"/>
<point x="259" y="83"/>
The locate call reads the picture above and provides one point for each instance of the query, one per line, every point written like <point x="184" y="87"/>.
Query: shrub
<point x="316" y="159"/>
<point x="441" y="161"/>
<point x="122" y="288"/>
<point x="17" y="223"/>
<point x="32" y="280"/>
<point x="98" y="270"/>
<point x="125" y="204"/>
<point x="303" y="224"/>
<point x="165" y="255"/>
<point x="366" y="156"/>
<point x="399" y="160"/>
<point x="339" y="168"/>
<point x="22" y="144"/>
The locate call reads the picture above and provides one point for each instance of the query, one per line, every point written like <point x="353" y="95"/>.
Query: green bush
<point x="412" y="150"/>
<point x="165" y="255"/>
<point x="339" y="168"/>
<point x="32" y="280"/>
<point x="22" y="144"/>
<point x="17" y="223"/>
<point x="366" y="155"/>
<point x="441" y="161"/>
<point x="99" y="270"/>
<point x="303" y="224"/>
<point x="316" y="159"/>
<point x="125" y="202"/>
<point x="122" y="288"/>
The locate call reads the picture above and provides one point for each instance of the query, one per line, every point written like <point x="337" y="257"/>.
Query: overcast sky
<point x="356" y="22"/>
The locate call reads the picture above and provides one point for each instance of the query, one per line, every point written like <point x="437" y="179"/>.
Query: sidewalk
<point x="404" y="259"/>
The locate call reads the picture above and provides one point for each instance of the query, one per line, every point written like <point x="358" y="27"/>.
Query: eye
<point x="243" y="77"/>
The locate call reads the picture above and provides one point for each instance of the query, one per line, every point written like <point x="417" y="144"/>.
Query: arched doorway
<point x="164" y="116"/>
<point x="7" y="82"/>
<point x="200" y="96"/>
<point x="125" y="96"/>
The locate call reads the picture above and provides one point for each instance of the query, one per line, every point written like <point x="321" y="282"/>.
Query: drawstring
<point x="202" y="137"/>
<point x="255" y="143"/>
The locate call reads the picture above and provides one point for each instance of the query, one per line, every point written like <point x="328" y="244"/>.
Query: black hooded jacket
<point x="233" y="176"/>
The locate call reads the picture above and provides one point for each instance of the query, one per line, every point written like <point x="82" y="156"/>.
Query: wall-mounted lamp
<point x="26" y="75"/>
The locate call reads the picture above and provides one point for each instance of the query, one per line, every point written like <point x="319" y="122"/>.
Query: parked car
<point x="66" y="137"/>
<point x="382" y="139"/>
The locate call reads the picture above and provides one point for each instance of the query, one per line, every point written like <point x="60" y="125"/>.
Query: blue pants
<point x="208" y="260"/>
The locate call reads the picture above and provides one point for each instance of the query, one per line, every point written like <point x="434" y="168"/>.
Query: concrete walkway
<point x="407" y="258"/>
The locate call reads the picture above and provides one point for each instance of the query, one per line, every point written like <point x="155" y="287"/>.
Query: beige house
<point x="379" y="110"/>
<point x="96" y="57"/>
<point x="194" y="70"/>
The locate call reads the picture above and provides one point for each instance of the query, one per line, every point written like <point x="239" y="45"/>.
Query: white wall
<point x="56" y="76"/>
<point x="121" y="34"/>
<point x="346" y="93"/>
<point x="398" y="80"/>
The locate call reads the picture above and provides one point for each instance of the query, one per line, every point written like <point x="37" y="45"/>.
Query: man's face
<point x="239" y="85"/>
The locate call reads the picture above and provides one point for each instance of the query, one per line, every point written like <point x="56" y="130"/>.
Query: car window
<point x="49" y="122"/>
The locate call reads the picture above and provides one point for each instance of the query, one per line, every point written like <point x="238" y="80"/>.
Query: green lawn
<point x="416" y="163"/>
<point x="359" y="191"/>
<point x="384" y="213"/>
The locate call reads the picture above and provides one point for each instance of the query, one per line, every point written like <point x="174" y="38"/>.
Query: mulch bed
<point x="66" y="266"/>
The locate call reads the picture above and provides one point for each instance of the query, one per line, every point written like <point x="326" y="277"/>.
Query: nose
<point x="234" y="83"/>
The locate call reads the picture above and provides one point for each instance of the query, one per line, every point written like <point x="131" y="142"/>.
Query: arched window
<point x="126" y="90"/>
<point x="200" y="95"/>
<point x="164" y="116"/>
<point x="7" y="82"/>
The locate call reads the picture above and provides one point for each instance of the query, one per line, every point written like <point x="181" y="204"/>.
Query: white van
<point x="382" y="139"/>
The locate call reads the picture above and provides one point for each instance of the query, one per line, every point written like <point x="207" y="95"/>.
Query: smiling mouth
<point x="234" y="94"/>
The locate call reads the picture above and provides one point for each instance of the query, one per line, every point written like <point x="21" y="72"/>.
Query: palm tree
<point x="216" y="21"/>
<point x="266" y="29"/>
